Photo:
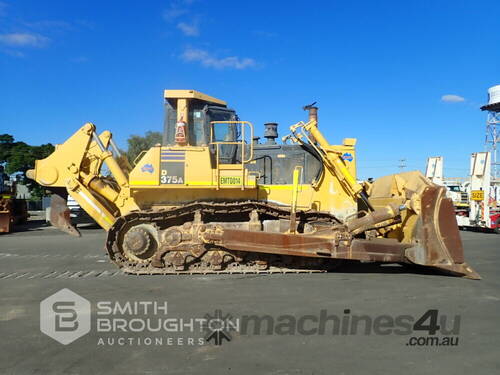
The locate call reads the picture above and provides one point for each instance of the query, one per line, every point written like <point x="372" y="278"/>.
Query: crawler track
<point x="210" y="259"/>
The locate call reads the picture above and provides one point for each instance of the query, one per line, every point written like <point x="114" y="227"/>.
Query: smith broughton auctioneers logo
<point x="65" y="316"/>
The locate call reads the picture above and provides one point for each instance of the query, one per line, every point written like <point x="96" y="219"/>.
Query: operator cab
<point x="197" y="111"/>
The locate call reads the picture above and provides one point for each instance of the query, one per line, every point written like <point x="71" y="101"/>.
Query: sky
<point x="406" y="78"/>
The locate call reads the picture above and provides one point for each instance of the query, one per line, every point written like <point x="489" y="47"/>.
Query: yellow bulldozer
<point x="213" y="198"/>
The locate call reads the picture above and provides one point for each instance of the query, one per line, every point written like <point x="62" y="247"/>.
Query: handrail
<point x="138" y="157"/>
<point x="297" y="176"/>
<point x="242" y="142"/>
<point x="243" y="124"/>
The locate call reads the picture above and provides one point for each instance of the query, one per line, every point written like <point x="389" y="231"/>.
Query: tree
<point x="18" y="157"/>
<point x="6" y="141"/>
<point x="136" y="143"/>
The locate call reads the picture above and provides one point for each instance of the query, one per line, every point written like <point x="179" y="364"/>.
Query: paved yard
<point x="38" y="262"/>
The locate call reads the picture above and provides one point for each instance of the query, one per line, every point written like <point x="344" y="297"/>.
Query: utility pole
<point x="492" y="140"/>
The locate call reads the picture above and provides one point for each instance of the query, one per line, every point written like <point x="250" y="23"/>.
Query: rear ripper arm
<point x="75" y="168"/>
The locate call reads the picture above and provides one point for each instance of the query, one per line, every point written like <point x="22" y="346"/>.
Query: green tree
<point x="6" y="142"/>
<point x="6" y="138"/>
<point x="18" y="157"/>
<point x="136" y="143"/>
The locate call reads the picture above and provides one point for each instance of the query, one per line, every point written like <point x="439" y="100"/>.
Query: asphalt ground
<point x="39" y="261"/>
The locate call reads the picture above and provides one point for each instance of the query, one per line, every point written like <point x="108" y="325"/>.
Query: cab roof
<point x="192" y="94"/>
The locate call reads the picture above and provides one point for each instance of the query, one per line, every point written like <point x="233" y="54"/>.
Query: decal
<point x="178" y="156"/>
<point x="236" y="180"/>
<point x="172" y="167"/>
<point x="347" y="156"/>
<point x="148" y="168"/>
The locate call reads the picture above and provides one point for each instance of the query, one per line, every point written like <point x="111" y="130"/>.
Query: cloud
<point x="178" y="11"/>
<point x="49" y="24"/>
<point x="189" y="29"/>
<point x="24" y="40"/>
<point x="450" y="98"/>
<point x="174" y="11"/>
<point x="208" y="60"/>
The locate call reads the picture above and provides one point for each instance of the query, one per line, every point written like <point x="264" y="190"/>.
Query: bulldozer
<point x="214" y="198"/>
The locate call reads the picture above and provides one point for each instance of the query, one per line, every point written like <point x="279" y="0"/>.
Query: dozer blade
<point x="437" y="236"/>
<point x="60" y="213"/>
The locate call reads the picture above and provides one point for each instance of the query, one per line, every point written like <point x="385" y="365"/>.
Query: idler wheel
<point x="137" y="241"/>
